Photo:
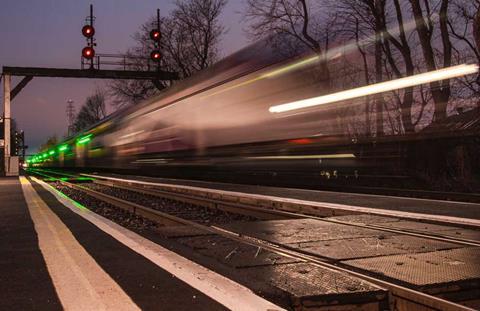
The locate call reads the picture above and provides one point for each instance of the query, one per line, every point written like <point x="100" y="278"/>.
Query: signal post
<point x="10" y="163"/>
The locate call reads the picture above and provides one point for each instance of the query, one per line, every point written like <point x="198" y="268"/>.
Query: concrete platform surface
<point x="25" y="283"/>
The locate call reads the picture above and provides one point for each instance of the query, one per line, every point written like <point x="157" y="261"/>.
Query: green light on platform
<point x="52" y="152"/>
<point x="63" y="148"/>
<point x="84" y="139"/>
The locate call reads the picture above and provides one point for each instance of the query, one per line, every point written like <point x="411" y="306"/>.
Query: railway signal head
<point x="155" y="55"/>
<point x="88" y="31"/>
<point x="155" y="35"/>
<point x="88" y="52"/>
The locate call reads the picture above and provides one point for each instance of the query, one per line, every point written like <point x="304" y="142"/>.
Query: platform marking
<point x="452" y="220"/>
<point x="221" y="289"/>
<point x="80" y="283"/>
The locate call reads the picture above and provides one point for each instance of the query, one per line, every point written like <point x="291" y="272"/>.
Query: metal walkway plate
<point x="425" y="269"/>
<point x="232" y="253"/>
<point x="373" y="246"/>
<point x="314" y="287"/>
<point x="452" y="231"/>
<point x="301" y="230"/>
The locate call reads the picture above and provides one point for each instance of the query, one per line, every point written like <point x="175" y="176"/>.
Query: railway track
<point x="248" y="210"/>
<point x="469" y="197"/>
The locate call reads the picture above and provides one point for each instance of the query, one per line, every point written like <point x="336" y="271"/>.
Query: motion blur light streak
<point x="132" y="134"/>
<point x="327" y="56"/>
<point x="338" y="51"/>
<point x="293" y="66"/>
<point x="423" y="78"/>
<point x="295" y="157"/>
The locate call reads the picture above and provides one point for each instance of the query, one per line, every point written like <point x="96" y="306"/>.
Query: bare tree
<point x="476" y="26"/>
<point x="425" y="27"/>
<point x="201" y="32"/>
<point x="91" y="112"/>
<point x="189" y="43"/>
<point x="300" y="20"/>
<point x="464" y="26"/>
<point x="365" y="21"/>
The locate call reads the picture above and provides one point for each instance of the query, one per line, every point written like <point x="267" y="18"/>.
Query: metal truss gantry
<point x="10" y="164"/>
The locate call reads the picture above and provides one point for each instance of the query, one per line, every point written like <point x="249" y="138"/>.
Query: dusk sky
<point x="47" y="33"/>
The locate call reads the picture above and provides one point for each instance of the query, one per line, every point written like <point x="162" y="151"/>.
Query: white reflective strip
<point x="225" y="291"/>
<point x="80" y="283"/>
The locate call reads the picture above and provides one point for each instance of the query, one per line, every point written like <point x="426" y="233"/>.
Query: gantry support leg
<point x="9" y="166"/>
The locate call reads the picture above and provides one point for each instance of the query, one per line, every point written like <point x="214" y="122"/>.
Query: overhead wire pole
<point x="70" y="116"/>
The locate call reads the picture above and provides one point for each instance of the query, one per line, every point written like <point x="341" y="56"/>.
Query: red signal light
<point x="88" y="52"/>
<point x="88" y="31"/>
<point x="155" y="55"/>
<point x="155" y="35"/>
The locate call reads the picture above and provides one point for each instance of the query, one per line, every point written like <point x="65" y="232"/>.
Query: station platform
<point x="56" y="255"/>
<point x="381" y="202"/>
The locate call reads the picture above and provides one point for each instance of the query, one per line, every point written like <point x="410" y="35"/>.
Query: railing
<point x="118" y="62"/>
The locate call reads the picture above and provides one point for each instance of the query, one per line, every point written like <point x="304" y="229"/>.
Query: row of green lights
<point x="84" y="139"/>
<point x="61" y="148"/>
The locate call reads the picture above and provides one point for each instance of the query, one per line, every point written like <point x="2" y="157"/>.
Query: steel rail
<point x="319" y="209"/>
<point x="425" y="301"/>
<point x="241" y="209"/>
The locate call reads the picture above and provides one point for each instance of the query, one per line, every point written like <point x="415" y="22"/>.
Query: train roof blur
<point x="261" y="54"/>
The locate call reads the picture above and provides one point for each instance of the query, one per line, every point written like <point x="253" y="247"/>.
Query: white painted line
<point x="321" y="205"/>
<point x="225" y="291"/>
<point x="80" y="283"/>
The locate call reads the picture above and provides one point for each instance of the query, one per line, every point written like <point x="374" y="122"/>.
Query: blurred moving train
<point x="267" y="110"/>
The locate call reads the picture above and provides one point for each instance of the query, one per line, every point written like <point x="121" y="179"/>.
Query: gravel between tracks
<point x="196" y="213"/>
<point x="118" y="215"/>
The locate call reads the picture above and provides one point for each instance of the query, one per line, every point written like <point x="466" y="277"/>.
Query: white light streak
<point x="298" y="157"/>
<point x="132" y="134"/>
<point x="427" y="77"/>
